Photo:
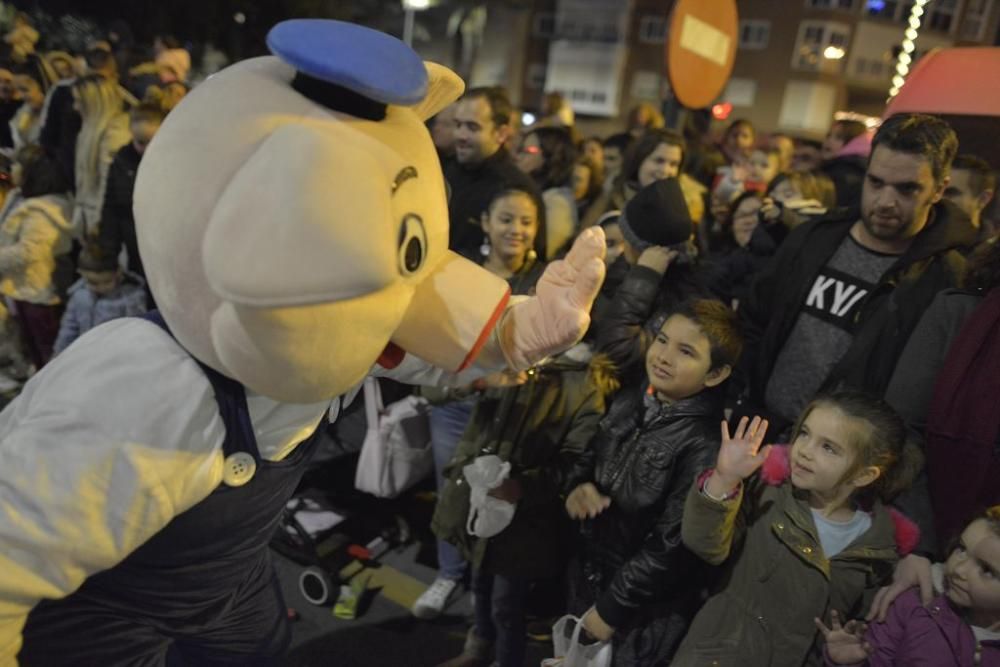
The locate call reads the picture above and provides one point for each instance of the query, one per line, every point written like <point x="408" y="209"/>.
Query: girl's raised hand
<point x="740" y="455"/>
<point x="845" y="645"/>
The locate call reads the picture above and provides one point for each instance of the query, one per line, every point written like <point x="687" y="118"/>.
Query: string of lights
<point x="905" y="54"/>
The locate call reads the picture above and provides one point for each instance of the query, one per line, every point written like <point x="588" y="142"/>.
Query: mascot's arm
<point x="103" y="448"/>
<point x="526" y="332"/>
<point x="414" y="370"/>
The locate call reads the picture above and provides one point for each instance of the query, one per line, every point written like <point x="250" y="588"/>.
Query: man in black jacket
<point x="482" y="166"/>
<point x="839" y="300"/>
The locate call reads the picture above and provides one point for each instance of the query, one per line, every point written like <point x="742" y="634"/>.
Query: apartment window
<point x="942" y="15"/>
<point x="816" y="45"/>
<point x="609" y="33"/>
<point x="977" y="13"/>
<point x="886" y="9"/>
<point x="754" y="35"/>
<point x="845" y="5"/>
<point x="544" y="25"/>
<point x="653" y="29"/>
<point x="899" y="11"/>
<point x="569" y="29"/>
<point x="871" y="68"/>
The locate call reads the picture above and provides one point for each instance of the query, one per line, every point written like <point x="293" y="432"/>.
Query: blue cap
<point x="365" y="61"/>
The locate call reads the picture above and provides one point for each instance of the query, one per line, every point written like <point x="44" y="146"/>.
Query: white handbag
<point x="396" y="453"/>
<point x="568" y="650"/>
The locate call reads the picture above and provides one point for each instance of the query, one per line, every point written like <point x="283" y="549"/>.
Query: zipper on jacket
<point x="615" y="473"/>
<point x="628" y="456"/>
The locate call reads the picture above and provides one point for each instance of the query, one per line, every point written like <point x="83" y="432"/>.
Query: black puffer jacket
<point x="886" y="317"/>
<point x="633" y="563"/>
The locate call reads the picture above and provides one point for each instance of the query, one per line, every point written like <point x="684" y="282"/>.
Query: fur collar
<point x="777" y="469"/>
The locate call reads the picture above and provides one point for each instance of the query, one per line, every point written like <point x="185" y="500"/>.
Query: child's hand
<point x="845" y="645"/>
<point x="912" y="571"/>
<point x="586" y="502"/>
<point x="657" y="258"/>
<point x="596" y="627"/>
<point x="769" y="210"/>
<point x="739" y="456"/>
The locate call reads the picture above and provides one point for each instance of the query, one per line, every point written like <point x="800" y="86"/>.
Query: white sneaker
<point x="435" y="599"/>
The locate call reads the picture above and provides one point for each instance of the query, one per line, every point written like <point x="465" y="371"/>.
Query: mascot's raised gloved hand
<point x="559" y="313"/>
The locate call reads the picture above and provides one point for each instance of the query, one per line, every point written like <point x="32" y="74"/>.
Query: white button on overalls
<point x="238" y="469"/>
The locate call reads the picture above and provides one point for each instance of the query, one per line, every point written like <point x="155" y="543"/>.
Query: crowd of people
<point x="835" y="303"/>
<point x="73" y="128"/>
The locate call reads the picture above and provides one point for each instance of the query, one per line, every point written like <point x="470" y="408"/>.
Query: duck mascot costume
<point x="292" y="218"/>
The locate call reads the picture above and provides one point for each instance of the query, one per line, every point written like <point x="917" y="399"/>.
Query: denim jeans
<point x="499" y="614"/>
<point x="448" y="422"/>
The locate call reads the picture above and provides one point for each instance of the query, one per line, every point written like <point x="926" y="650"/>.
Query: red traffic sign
<point x="701" y="49"/>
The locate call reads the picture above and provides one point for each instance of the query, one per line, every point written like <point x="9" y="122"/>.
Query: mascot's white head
<point x="292" y="219"/>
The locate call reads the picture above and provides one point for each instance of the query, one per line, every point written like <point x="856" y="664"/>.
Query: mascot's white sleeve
<point x="416" y="371"/>
<point x="107" y="444"/>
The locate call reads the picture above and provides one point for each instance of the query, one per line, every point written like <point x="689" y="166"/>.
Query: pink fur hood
<point x="777" y="469"/>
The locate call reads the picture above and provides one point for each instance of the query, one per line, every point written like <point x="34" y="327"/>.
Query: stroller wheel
<point x="316" y="586"/>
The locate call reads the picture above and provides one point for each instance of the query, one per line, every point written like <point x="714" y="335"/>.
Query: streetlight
<point x="410" y="8"/>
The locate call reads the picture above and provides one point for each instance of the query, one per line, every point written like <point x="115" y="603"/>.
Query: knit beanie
<point x="657" y="216"/>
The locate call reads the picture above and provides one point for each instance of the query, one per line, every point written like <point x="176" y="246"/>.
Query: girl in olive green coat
<point x="805" y="536"/>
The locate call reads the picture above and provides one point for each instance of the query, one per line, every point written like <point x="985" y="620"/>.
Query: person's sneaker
<point x="435" y="599"/>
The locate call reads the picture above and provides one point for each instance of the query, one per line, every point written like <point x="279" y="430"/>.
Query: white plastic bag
<point x="568" y="650"/>
<point x="487" y="515"/>
<point x="397" y="450"/>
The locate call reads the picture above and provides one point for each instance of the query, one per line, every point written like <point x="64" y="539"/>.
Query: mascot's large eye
<point x="412" y="244"/>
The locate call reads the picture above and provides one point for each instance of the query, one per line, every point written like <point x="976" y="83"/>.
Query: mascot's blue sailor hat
<point x="349" y="68"/>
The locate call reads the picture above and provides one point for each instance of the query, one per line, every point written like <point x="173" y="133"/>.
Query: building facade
<point x="801" y="61"/>
<point x="798" y="62"/>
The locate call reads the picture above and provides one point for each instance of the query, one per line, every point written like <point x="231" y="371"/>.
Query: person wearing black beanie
<point x="657" y="271"/>
<point x="656" y="216"/>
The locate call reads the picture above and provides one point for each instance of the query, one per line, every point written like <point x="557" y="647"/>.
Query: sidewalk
<point x="385" y="634"/>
